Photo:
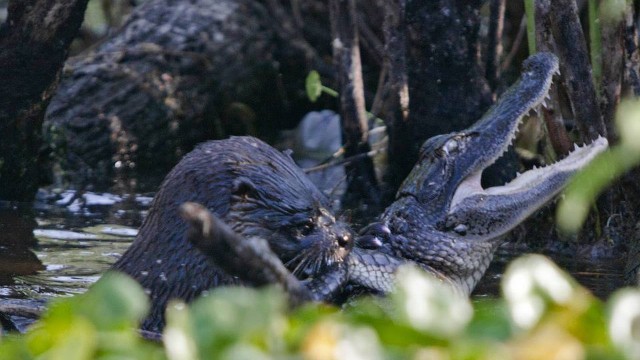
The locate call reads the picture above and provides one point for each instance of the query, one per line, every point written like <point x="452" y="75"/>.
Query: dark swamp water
<point x="63" y="243"/>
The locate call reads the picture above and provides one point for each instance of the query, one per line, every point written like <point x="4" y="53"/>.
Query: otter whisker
<point x="302" y="260"/>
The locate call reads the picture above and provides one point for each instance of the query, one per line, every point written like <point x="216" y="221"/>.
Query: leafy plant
<point x="100" y="323"/>
<point x="544" y="314"/>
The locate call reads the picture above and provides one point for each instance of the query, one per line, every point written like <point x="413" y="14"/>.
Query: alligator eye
<point x="461" y="229"/>
<point x="451" y="145"/>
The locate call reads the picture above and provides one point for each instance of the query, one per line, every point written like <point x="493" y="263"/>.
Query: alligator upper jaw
<point x="496" y="210"/>
<point x="490" y="137"/>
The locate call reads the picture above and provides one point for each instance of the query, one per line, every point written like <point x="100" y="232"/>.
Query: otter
<point x="256" y="190"/>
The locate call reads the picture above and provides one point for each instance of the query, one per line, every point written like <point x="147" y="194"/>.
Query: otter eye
<point x="307" y="228"/>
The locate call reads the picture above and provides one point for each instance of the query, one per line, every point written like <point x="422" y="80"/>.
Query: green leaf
<point x="71" y="340"/>
<point x="313" y="86"/>
<point x="233" y="316"/>
<point x="116" y="301"/>
<point x="490" y="320"/>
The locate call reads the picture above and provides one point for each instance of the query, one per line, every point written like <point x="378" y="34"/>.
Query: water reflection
<point x="17" y="222"/>
<point x="64" y="242"/>
<point x="601" y="276"/>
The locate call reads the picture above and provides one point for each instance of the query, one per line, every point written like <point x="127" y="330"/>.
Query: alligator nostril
<point x="375" y="227"/>
<point x="369" y="242"/>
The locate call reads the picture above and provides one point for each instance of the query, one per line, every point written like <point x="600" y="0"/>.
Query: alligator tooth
<point x="537" y="110"/>
<point x="544" y="103"/>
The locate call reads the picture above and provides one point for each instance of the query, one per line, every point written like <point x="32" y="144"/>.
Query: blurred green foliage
<point x="583" y="190"/>
<point x="543" y="314"/>
<point x="98" y="324"/>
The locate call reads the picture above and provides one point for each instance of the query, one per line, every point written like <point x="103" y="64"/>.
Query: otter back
<point x="255" y="189"/>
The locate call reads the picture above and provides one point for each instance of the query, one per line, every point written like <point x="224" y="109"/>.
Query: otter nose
<point x="344" y="240"/>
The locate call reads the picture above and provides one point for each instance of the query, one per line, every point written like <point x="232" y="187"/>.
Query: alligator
<point x="442" y="219"/>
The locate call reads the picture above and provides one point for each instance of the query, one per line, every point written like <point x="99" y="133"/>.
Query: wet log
<point x="177" y="73"/>
<point x="34" y="42"/>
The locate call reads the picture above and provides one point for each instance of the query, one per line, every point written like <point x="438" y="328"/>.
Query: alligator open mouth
<point x="498" y="209"/>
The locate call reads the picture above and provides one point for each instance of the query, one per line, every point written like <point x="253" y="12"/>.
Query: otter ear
<point x="243" y="187"/>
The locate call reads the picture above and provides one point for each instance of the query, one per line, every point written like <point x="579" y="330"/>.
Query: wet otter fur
<point x="257" y="191"/>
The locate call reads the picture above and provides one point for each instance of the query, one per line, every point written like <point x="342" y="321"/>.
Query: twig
<point x="349" y="160"/>
<point x="286" y="29"/>
<point x="576" y="70"/>
<point x="515" y="46"/>
<point x="381" y="91"/>
<point x="494" y="46"/>
<point x="250" y="259"/>
<point x="297" y="14"/>
<point x="370" y="41"/>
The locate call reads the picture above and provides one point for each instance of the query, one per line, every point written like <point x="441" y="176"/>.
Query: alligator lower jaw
<point x="531" y="179"/>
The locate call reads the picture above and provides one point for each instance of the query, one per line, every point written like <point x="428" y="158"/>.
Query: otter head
<point x="287" y="210"/>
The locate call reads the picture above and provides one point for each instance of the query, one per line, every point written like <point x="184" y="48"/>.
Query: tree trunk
<point x="361" y="180"/>
<point x="447" y="87"/>
<point x="34" y="42"/>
